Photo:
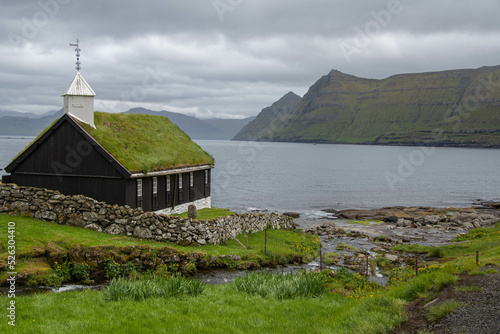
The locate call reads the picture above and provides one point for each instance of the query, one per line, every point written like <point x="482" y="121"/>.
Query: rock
<point x="115" y="229"/>
<point x="488" y="219"/>
<point x="391" y="257"/>
<point x="94" y="226"/>
<point x="291" y="214"/>
<point x="248" y="266"/>
<point x="431" y="219"/>
<point x="390" y="219"/>
<point x="142" y="232"/>
<point x="74" y="220"/>
<point x="463" y="217"/>
<point x="20" y="206"/>
<point x="90" y="216"/>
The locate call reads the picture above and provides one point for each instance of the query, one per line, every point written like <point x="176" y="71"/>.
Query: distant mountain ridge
<point x="196" y="128"/>
<point x="448" y="108"/>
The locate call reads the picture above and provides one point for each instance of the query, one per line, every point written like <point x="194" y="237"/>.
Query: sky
<point x="228" y="58"/>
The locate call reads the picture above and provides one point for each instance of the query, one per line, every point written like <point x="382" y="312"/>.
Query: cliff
<point x="448" y="108"/>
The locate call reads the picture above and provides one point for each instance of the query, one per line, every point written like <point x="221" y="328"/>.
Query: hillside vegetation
<point x="449" y="108"/>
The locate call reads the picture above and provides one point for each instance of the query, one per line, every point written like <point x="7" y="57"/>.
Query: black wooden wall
<point x="66" y="160"/>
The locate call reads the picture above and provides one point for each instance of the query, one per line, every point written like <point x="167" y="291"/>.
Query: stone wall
<point x="86" y="212"/>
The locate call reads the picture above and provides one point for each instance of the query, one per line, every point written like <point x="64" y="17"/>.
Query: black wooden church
<point x="126" y="159"/>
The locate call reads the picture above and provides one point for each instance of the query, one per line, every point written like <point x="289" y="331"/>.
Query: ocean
<point x="307" y="178"/>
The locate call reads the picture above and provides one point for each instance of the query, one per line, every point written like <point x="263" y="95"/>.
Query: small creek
<point x="431" y="237"/>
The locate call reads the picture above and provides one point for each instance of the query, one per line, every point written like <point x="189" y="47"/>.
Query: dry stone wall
<point x="85" y="212"/>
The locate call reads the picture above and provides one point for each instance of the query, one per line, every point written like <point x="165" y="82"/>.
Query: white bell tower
<point x="79" y="96"/>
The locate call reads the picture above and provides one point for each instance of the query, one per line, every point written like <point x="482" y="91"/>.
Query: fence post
<point x="477" y="258"/>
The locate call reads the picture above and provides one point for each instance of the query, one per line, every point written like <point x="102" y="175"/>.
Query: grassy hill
<point x="449" y="108"/>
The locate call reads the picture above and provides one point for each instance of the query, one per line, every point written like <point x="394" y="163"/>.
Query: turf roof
<point x="146" y="143"/>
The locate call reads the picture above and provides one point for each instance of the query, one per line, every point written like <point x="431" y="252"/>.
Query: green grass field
<point x="347" y="303"/>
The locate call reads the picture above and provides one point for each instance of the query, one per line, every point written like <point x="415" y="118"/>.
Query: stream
<point x="431" y="237"/>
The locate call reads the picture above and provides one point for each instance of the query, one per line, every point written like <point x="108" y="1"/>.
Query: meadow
<point x="323" y="302"/>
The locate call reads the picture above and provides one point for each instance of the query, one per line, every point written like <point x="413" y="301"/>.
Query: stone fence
<point x="86" y="212"/>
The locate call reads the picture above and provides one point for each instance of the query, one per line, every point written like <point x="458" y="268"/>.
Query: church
<point x="126" y="159"/>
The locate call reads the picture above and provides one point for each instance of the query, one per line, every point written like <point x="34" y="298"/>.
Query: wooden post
<point x="233" y="237"/>
<point x="247" y="239"/>
<point x="477" y="258"/>
<point x="192" y="211"/>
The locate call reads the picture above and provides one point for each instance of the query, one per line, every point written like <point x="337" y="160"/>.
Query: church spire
<point x="79" y="96"/>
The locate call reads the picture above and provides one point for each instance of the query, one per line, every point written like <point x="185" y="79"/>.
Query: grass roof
<point x="146" y="143"/>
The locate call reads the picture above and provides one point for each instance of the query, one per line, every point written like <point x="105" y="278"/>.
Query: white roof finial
<point x="77" y="50"/>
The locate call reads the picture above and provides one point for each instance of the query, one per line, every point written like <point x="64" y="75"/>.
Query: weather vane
<point x="77" y="50"/>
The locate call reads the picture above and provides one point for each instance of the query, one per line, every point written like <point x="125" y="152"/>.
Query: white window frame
<point x="206" y="176"/>
<point x="191" y="179"/>
<point x="180" y="181"/>
<point x="168" y="183"/>
<point x="155" y="185"/>
<point x="139" y="187"/>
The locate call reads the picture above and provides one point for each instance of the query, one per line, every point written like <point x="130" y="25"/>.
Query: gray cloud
<point x="228" y="58"/>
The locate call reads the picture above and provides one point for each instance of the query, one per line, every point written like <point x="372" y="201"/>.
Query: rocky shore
<point x="362" y="239"/>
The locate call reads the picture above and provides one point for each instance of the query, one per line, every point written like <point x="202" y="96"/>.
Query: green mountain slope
<point x="449" y="108"/>
<point x="269" y="119"/>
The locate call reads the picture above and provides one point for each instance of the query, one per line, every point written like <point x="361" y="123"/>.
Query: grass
<point x="258" y="302"/>
<point x="363" y="222"/>
<point x="146" y="143"/>
<point x="330" y="258"/>
<point x="411" y="248"/>
<point x="439" y="311"/>
<point x="33" y="236"/>
<point x="342" y="246"/>
<point x="219" y="309"/>
<point x="153" y="287"/>
<point x="281" y="286"/>
<point x="466" y="288"/>
<point x="209" y="213"/>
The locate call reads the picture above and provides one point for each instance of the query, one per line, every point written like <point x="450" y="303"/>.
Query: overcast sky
<point x="228" y="58"/>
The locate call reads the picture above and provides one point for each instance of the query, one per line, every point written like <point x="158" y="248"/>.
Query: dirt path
<point x="480" y="313"/>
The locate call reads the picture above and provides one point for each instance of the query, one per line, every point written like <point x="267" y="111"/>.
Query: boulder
<point x="74" y="220"/>
<point x="291" y="214"/>
<point x="431" y="219"/>
<point x="20" y="206"/>
<point x="142" y="232"/>
<point x="390" y="219"/>
<point x="115" y="229"/>
<point x="391" y="257"/>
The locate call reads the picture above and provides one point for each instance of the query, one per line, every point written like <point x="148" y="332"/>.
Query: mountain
<point x="27" y="126"/>
<point x="10" y="113"/>
<point x="269" y="118"/>
<point x="448" y="108"/>
<point x="213" y="128"/>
